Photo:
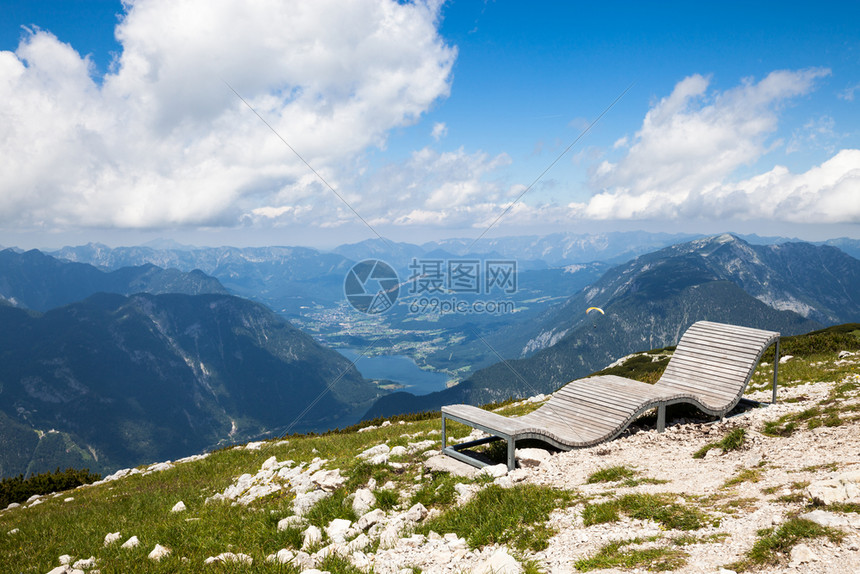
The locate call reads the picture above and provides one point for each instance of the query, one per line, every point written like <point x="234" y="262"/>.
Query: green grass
<point x="660" y="508"/>
<point x="495" y="515"/>
<point x="619" y="555"/>
<point x="611" y="474"/>
<point x="621" y="474"/>
<point x="733" y="440"/>
<point x="774" y="545"/>
<point x="140" y="505"/>
<point x="744" y="475"/>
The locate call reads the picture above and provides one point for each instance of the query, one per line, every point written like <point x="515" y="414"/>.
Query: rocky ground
<point x="808" y="456"/>
<point x="762" y="484"/>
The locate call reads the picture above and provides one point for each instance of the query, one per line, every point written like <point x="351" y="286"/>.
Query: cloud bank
<point x="680" y="163"/>
<point x="161" y="140"/>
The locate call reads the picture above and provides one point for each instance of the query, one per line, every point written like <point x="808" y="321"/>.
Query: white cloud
<point x="161" y="140"/>
<point x="824" y="194"/>
<point x="680" y="164"/>
<point x="848" y="93"/>
<point x="691" y="139"/>
<point x="440" y="130"/>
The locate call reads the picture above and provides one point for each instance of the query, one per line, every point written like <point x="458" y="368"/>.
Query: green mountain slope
<point x="154" y="377"/>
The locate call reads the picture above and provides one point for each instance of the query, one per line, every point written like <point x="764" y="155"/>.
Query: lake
<point x="397" y="368"/>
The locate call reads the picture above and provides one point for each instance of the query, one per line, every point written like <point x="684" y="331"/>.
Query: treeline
<point x="19" y="489"/>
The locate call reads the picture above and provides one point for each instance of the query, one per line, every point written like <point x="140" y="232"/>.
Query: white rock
<point x="283" y="556"/>
<point x="333" y="549"/>
<point x="360" y="542"/>
<point x="131" y="542"/>
<point x="518" y="474"/>
<point x="270" y="464"/>
<point x="390" y="535"/>
<point x="304" y="502"/>
<point x="111" y="537"/>
<point x="504" y="482"/>
<point x="529" y="457"/>
<point x="385" y="424"/>
<point x="399" y="451"/>
<point x="464" y="492"/>
<point x="422" y="445"/>
<point x="311" y="536"/>
<point x="35" y="503"/>
<point x="370" y="518"/>
<point x="178" y="507"/>
<point x="360" y="560"/>
<point x="499" y="563"/>
<point x="303" y="560"/>
<point x="13" y="505"/>
<point x="417" y="513"/>
<point x="291" y="522"/>
<point x="363" y="501"/>
<point x="64" y="569"/>
<point x="85" y="564"/>
<point x="825" y="518"/>
<point x="328" y="480"/>
<point x="337" y="529"/>
<point x="225" y="557"/>
<point x="379" y="459"/>
<point x="158" y="467"/>
<point x="844" y="488"/>
<point x="374" y="451"/>
<point x="65" y="559"/>
<point x="845" y="354"/>
<point x="443" y="463"/>
<point x="254" y="445"/>
<point x="159" y="552"/>
<point x="495" y="471"/>
<point x="14" y="531"/>
<point x="802" y="554"/>
<point x="69" y="499"/>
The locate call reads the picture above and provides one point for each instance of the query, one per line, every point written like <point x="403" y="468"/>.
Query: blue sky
<point x="430" y="120"/>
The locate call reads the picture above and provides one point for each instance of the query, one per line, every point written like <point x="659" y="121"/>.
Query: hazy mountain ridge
<point x="41" y="282"/>
<point x="284" y="278"/>
<point x="559" y="249"/>
<point x="151" y="377"/>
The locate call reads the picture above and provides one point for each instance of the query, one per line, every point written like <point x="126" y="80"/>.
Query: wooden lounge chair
<point x="710" y="369"/>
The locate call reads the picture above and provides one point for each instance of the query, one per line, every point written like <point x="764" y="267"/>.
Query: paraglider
<point x="590" y="310"/>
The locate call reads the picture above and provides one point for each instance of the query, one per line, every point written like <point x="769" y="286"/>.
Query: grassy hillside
<point x="76" y="522"/>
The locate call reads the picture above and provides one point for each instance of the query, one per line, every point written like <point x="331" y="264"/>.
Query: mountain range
<point x="649" y="302"/>
<point x="38" y="281"/>
<point x="117" y="379"/>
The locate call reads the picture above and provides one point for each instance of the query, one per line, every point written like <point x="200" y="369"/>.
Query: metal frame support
<point x="661" y="417"/>
<point x="454" y="450"/>
<point x="775" y="370"/>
